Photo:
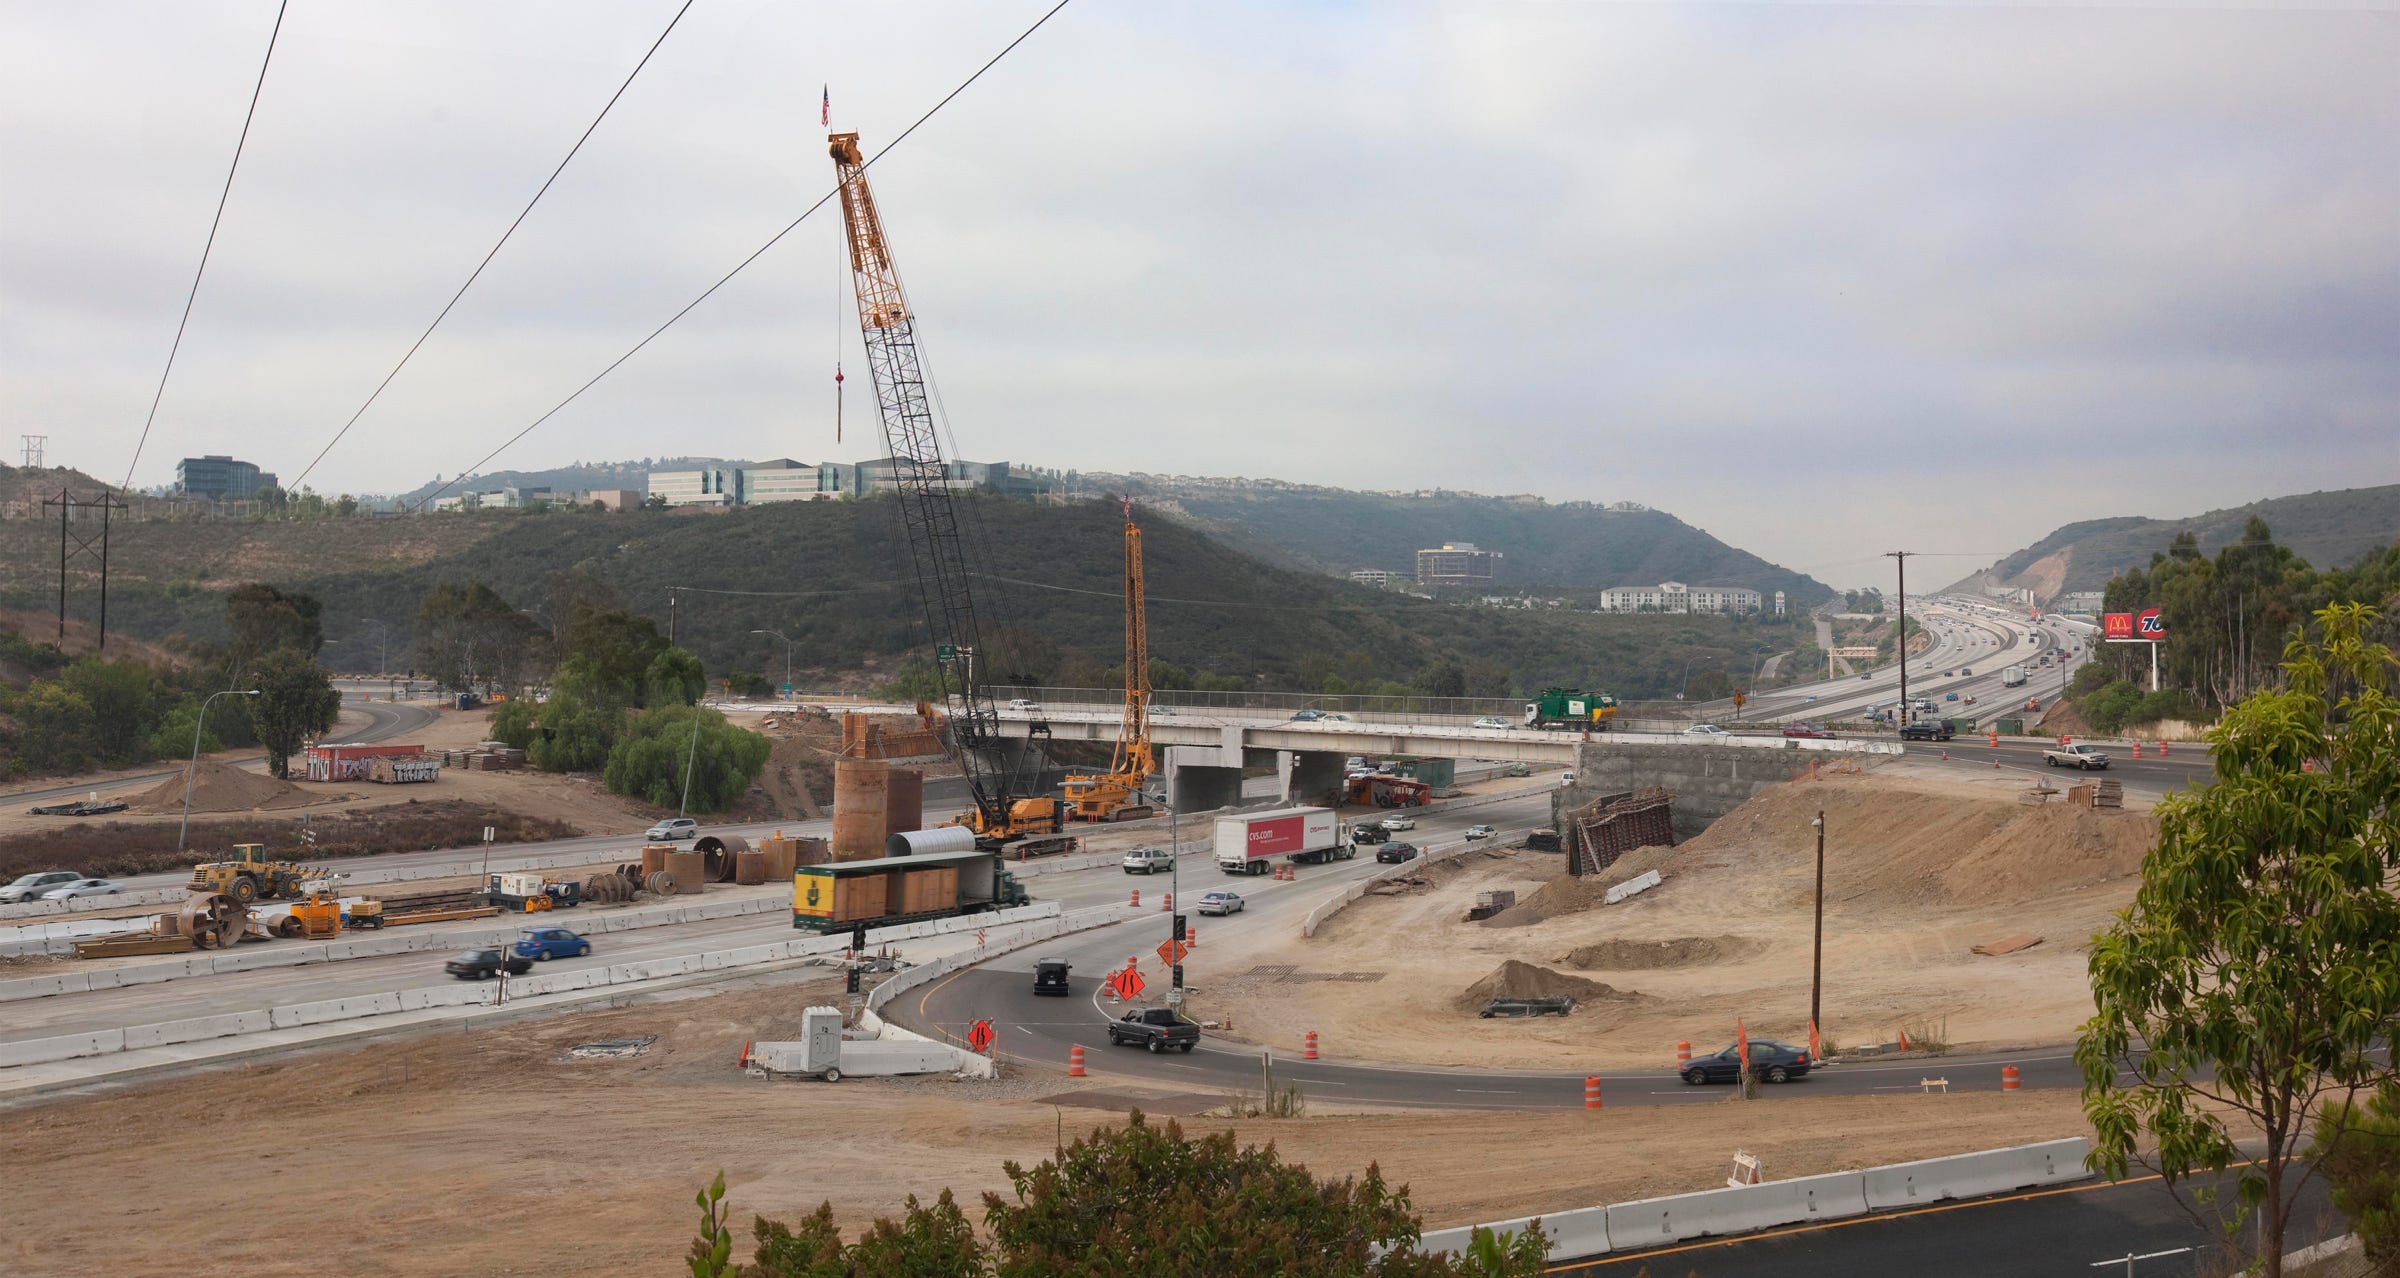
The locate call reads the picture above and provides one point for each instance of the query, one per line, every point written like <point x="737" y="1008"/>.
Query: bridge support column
<point x="1314" y="777"/>
<point x="1201" y="788"/>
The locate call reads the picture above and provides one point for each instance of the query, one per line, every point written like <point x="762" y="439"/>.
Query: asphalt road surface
<point x="2081" y="1229"/>
<point x="1039" y="1030"/>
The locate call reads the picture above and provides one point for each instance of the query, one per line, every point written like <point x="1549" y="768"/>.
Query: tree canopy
<point x="2258" y="968"/>
<point x="1130" y="1200"/>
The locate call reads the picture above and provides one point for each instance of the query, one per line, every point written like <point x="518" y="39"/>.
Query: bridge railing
<point x="1377" y="709"/>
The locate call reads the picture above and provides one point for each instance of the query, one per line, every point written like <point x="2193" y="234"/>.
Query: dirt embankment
<point x="221" y="787"/>
<point x="118" y="848"/>
<point x="1918" y="871"/>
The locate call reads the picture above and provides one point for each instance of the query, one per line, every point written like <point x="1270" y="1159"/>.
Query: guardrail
<point x="135" y="1037"/>
<point x="1658" y="1222"/>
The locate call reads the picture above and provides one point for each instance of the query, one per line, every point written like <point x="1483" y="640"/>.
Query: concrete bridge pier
<point x="1313" y="776"/>
<point x="1202" y="787"/>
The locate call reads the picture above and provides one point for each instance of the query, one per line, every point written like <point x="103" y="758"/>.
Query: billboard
<point x="2147" y="624"/>
<point x="2143" y="626"/>
<point x="2116" y="625"/>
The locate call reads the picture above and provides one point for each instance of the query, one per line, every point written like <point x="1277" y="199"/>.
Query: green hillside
<point x="829" y="575"/>
<point x="2324" y="528"/>
<point x="1571" y="550"/>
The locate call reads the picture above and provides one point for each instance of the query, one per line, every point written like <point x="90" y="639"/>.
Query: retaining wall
<point x="1708" y="780"/>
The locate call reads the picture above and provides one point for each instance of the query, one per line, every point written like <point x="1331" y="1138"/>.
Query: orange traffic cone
<point x="1904" y="1040"/>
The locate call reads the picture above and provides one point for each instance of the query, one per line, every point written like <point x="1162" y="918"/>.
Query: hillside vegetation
<point x="1573" y="550"/>
<point x="833" y="577"/>
<point x="2323" y="528"/>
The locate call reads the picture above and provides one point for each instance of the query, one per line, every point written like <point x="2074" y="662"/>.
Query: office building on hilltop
<point x="1457" y="566"/>
<point x="220" y="478"/>
<point x="782" y="479"/>
<point x="1675" y="596"/>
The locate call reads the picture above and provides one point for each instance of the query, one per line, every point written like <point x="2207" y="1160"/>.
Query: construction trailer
<point x="352" y="761"/>
<point x="1381" y="791"/>
<point x="840" y="895"/>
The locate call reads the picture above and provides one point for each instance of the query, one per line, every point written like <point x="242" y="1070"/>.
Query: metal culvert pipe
<point x="720" y="851"/>
<point x="946" y="838"/>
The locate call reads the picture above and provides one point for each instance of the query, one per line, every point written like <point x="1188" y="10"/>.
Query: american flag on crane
<point x="825" y="111"/>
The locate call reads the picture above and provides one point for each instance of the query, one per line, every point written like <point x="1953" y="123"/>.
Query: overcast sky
<point x="1825" y="280"/>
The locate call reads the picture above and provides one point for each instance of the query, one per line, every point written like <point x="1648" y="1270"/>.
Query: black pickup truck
<point x="1157" y="1028"/>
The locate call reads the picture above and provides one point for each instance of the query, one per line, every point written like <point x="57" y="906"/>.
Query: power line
<point x="744" y="264"/>
<point x="477" y="273"/>
<point x="222" y="196"/>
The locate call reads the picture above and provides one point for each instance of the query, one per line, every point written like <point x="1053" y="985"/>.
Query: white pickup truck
<point x="2077" y="755"/>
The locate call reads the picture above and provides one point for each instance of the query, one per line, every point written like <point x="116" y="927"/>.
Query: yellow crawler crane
<point x="1117" y="794"/>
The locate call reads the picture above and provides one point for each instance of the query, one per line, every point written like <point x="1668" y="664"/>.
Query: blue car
<point x="549" y="943"/>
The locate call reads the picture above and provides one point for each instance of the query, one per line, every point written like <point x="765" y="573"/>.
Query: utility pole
<point x="1900" y="557"/>
<point x="1816" y="978"/>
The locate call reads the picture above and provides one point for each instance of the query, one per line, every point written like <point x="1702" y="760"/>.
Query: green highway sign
<point x="945" y="652"/>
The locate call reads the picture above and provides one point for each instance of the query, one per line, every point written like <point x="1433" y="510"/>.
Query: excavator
<point x="1117" y="795"/>
<point x="1002" y="774"/>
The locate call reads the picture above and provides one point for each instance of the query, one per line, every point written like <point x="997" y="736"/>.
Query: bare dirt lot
<point x="1918" y="871"/>
<point x="491" y="1152"/>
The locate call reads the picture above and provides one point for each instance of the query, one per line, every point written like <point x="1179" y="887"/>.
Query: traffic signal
<point x="852" y="975"/>
<point x="1179" y="927"/>
<point x="858" y="938"/>
<point x="1178" y="979"/>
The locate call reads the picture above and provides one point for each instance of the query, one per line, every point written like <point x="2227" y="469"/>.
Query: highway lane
<point x="2077" y="1229"/>
<point x="228" y="992"/>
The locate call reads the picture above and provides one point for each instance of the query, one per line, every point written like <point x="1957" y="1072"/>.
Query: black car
<point x="484" y="964"/>
<point x="1368" y="832"/>
<point x="1395" y="853"/>
<point x="1050" y="976"/>
<point x="1770" y="1062"/>
<point x="1938" y="731"/>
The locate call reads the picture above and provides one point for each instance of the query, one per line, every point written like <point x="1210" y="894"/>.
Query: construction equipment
<point x="318" y="916"/>
<point x="1118" y="794"/>
<point x="250" y="876"/>
<point x="1000" y="774"/>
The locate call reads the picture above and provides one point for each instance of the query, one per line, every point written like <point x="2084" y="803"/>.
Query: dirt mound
<point x="1514" y="979"/>
<point x="1894" y="840"/>
<point x="1572" y="894"/>
<point x="1641" y="956"/>
<point x="221" y="787"/>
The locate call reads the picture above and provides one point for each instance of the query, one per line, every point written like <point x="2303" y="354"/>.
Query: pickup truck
<point x="2078" y="755"/>
<point x="1157" y="1028"/>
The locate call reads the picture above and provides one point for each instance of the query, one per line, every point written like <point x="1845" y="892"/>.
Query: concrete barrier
<point x="1575" y="1235"/>
<point x="1634" y="886"/>
<point x="64" y="1047"/>
<point x="1737" y="1210"/>
<point x="1993" y="1171"/>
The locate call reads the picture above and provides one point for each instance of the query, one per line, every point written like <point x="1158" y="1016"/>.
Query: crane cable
<point x="477" y="273"/>
<point x="213" y="222"/>
<point x="727" y="278"/>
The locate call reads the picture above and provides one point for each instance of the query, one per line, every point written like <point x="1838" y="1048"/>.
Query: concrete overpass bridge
<point x="1206" y="753"/>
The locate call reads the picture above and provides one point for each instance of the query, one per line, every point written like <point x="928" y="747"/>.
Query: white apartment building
<point x="1675" y="596"/>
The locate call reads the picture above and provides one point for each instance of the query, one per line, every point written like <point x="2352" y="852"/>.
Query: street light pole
<point x="1816" y="978"/>
<point x="691" y="753"/>
<point x="787" y="656"/>
<point x="197" y="729"/>
<point x="1900" y="557"/>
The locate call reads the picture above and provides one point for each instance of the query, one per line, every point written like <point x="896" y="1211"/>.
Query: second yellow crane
<point x="1117" y="794"/>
